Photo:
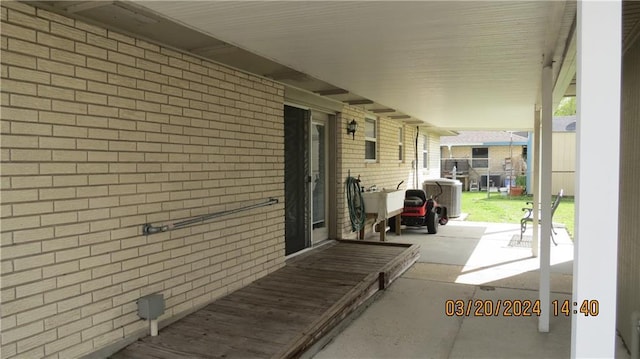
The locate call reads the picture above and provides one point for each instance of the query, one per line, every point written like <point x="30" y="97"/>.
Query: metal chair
<point x="528" y="216"/>
<point x="473" y="186"/>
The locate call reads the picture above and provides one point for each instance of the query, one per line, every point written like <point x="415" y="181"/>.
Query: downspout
<point x="529" y="189"/>
<point x="416" y="169"/>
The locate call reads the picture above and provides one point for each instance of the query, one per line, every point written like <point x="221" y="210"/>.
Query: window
<point x="480" y="157"/>
<point x="400" y="144"/>
<point x="425" y="151"/>
<point x="370" y="139"/>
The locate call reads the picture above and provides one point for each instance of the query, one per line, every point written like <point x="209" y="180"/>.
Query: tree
<point x="567" y="107"/>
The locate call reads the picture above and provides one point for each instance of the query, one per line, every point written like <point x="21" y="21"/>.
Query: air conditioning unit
<point x="451" y="194"/>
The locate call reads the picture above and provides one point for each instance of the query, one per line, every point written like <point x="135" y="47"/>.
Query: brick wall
<point x="387" y="171"/>
<point x="101" y="133"/>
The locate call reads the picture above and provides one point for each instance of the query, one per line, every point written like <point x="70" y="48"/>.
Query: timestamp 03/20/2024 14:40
<point x="517" y="308"/>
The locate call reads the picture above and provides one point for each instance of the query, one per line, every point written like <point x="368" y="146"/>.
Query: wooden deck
<point x="283" y="314"/>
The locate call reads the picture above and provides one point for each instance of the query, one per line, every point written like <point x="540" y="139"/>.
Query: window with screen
<point x="480" y="157"/>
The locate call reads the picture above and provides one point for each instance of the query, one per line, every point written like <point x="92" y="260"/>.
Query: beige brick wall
<point x="387" y="171"/>
<point x="101" y="133"/>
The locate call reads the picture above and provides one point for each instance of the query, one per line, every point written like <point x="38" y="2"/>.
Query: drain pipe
<point x="153" y="327"/>
<point x="635" y="335"/>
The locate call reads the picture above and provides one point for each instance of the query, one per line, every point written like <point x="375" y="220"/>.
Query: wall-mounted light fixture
<point x="352" y="127"/>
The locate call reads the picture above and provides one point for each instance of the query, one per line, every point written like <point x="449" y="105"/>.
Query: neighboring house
<point x="477" y="154"/>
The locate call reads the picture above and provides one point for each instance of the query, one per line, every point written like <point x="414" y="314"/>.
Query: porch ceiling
<point x="450" y="64"/>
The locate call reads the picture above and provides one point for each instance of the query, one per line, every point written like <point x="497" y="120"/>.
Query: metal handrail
<point x="148" y="229"/>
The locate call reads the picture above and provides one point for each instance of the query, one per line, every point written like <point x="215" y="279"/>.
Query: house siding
<point x="628" y="296"/>
<point x="101" y="133"/>
<point x="563" y="163"/>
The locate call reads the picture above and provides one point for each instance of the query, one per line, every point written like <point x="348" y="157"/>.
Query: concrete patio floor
<point x="467" y="261"/>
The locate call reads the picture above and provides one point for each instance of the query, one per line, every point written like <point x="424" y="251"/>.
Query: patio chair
<point x="528" y="216"/>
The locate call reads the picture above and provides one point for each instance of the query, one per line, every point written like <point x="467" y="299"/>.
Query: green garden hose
<point x="356" y="204"/>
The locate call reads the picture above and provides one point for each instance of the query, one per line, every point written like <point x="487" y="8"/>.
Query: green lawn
<point x="505" y="209"/>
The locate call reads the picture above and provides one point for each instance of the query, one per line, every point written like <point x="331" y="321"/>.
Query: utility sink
<point x="383" y="202"/>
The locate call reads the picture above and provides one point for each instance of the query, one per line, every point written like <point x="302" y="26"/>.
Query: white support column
<point x="545" y="198"/>
<point x="597" y="169"/>
<point x="535" y="184"/>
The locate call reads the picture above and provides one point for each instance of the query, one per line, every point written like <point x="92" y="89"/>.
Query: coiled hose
<point x="356" y="204"/>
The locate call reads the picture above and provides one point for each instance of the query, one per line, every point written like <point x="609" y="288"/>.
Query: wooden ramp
<point x="283" y="314"/>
